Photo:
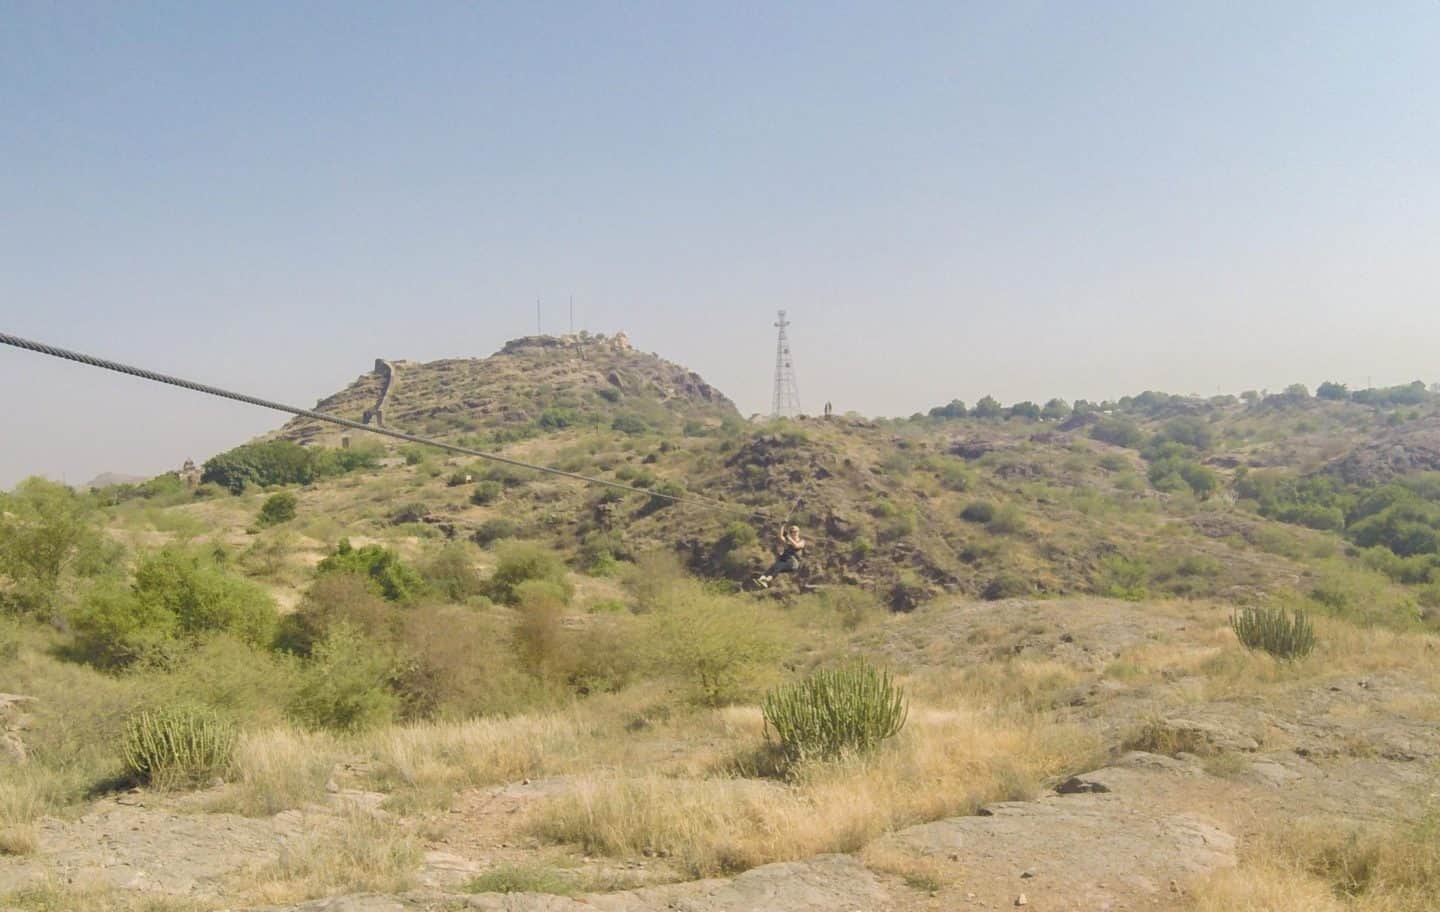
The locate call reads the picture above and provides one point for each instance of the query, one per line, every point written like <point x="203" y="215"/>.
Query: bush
<point x="1006" y="585"/>
<point x="441" y="650"/>
<point x="388" y="575"/>
<point x="177" y="747"/>
<point x="539" y="637"/>
<point x="978" y="512"/>
<point x="1284" y="634"/>
<point x="631" y="425"/>
<point x="720" y="645"/>
<point x="332" y="600"/>
<point x="175" y="594"/>
<point x="278" y="508"/>
<point x="1008" y="520"/>
<point x="486" y="493"/>
<point x="344" y="687"/>
<point x="1123" y="577"/>
<point x="521" y="562"/>
<point x="451" y="573"/>
<point x="834" y="713"/>
<point x="493" y="530"/>
<point x="1120" y="432"/>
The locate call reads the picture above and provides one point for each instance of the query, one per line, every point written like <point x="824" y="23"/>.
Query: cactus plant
<point x="1284" y="634"/>
<point x="171" y="748"/>
<point x="835" y="712"/>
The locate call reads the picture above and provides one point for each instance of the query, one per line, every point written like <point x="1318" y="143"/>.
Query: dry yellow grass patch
<point x="1327" y="865"/>
<point x="54" y="897"/>
<point x="920" y="872"/>
<point x="278" y="770"/>
<point x="21" y="804"/>
<point x="946" y="762"/>
<point x="1265" y="888"/>
<point x="365" y="852"/>
<point x="439" y="758"/>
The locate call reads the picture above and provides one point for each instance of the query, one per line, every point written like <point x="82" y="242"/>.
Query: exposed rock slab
<point x="127" y="846"/>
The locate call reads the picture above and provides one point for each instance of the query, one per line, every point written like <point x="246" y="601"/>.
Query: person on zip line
<point x="792" y="547"/>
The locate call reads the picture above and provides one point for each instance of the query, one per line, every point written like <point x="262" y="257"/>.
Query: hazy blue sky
<point x="952" y="199"/>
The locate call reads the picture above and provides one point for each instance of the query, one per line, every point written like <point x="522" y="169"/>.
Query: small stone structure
<point x="189" y="474"/>
<point x="386" y="370"/>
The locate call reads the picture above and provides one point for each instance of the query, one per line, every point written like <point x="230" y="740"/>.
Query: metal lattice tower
<point x="786" y="403"/>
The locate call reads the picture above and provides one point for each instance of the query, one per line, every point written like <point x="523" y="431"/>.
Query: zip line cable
<point x="104" y="364"/>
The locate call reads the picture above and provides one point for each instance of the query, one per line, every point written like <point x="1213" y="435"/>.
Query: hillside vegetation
<point x="371" y="653"/>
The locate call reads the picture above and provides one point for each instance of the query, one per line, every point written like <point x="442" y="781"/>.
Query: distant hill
<point x="553" y="382"/>
<point x="107" y="479"/>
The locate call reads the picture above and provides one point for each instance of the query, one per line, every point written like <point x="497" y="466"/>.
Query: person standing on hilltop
<point x="792" y="546"/>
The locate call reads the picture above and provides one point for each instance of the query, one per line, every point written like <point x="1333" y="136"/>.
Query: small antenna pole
<point x="538" y="330"/>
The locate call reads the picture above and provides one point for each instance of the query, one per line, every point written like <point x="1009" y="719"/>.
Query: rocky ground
<point x="1199" y="767"/>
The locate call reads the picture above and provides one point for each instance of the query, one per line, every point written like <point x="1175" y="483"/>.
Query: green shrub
<point x="631" y="425"/>
<point x="529" y="878"/>
<point x="1008" y="520"/>
<point x="390" y="576"/>
<point x="521" y="562"/>
<point x="493" y="530"/>
<point x="177" y="747"/>
<point x="1284" y="634"/>
<point x="1123" y="577"/>
<point x="451" y="574"/>
<point x="175" y="594"/>
<point x="721" y="645"/>
<point x="1006" y="585"/>
<point x="834" y="713"/>
<point x="951" y="472"/>
<point x="539" y="638"/>
<point x="978" y="512"/>
<point x="278" y="508"/>
<point x="335" y="599"/>
<point x="344" y="687"/>
<point x="1120" y="432"/>
<point x="486" y="493"/>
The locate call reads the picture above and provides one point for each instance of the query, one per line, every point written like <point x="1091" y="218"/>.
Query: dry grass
<point x="920" y="872"/>
<point x="278" y="770"/>
<point x="431" y="761"/>
<point x="364" y="852"/>
<point x="946" y="762"/>
<point x="22" y="803"/>
<point x="64" y="898"/>
<point x="1326" y="865"/>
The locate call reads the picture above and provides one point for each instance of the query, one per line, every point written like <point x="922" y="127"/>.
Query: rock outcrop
<point x="13" y="722"/>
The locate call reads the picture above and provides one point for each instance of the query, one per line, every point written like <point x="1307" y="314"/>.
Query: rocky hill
<point x="550" y="382"/>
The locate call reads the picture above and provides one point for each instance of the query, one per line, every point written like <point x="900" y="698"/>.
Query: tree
<point x="988" y="407"/>
<point x="1056" y="410"/>
<point x="954" y="409"/>
<point x="45" y="531"/>
<point x="1335" y="392"/>
<point x="1027" y="410"/>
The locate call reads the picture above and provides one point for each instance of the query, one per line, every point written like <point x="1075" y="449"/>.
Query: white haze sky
<point x="950" y="198"/>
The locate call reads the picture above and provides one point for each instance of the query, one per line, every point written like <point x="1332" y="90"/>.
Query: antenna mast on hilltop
<point x="786" y="403"/>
